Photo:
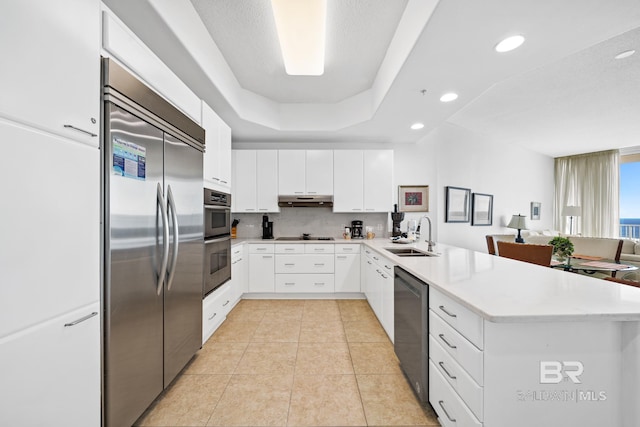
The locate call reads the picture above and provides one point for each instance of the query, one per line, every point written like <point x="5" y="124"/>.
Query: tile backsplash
<point x="319" y="222"/>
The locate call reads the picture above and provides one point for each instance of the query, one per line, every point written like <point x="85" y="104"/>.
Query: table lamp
<point x="571" y="211"/>
<point x="518" y="222"/>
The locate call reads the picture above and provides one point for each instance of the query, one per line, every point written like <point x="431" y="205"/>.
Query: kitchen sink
<point x="409" y="252"/>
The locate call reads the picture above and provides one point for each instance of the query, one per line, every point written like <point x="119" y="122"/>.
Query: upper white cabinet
<point x="255" y="181"/>
<point x="217" y="155"/>
<point x="50" y="75"/>
<point x="363" y="180"/>
<point x="305" y="172"/>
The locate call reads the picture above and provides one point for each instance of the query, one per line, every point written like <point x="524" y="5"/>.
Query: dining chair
<point x="534" y="254"/>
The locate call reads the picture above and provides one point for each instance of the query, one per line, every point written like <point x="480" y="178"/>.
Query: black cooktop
<point x="296" y="238"/>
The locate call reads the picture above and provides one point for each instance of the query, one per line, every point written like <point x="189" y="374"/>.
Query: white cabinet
<point x="363" y="180"/>
<point x="378" y="288"/>
<point x="347" y="267"/>
<point x="378" y="180"/>
<point x="51" y="372"/>
<point x="261" y="268"/>
<point x="50" y="75"/>
<point x="305" y="172"/>
<point x="310" y="270"/>
<point x="255" y="181"/>
<point x="239" y="271"/>
<point x="215" y="308"/>
<point x="50" y="228"/>
<point x="348" y="181"/>
<point x="217" y="156"/>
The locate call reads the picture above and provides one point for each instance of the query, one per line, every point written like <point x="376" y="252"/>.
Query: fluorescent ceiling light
<point x="625" y="54"/>
<point x="417" y="126"/>
<point x="301" y="26"/>
<point x="448" y="97"/>
<point x="509" y="44"/>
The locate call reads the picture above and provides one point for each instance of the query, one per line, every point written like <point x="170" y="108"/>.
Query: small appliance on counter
<point x="267" y="228"/>
<point x="397" y="218"/>
<point x="356" y="230"/>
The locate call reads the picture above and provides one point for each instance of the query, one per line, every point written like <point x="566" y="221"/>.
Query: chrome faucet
<point x="430" y="242"/>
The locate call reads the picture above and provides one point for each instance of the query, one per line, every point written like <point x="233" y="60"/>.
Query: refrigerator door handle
<point x="165" y="235"/>
<point x="176" y="237"/>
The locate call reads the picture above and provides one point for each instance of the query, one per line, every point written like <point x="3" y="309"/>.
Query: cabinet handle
<point x="298" y="192"/>
<point x="312" y="192"/>
<point x="383" y="276"/>
<point x="347" y="249"/>
<point x="267" y="256"/>
<point x="82" y="319"/>
<point x="249" y="210"/>
<point x="319" y="249"/>
<point x="356" y="210"/>
<point x="212" y="316"/>
<point x="375" y="258"/>
<point x="368" y="262"/>
<point x="223" y="181"/>
<point x="319" y="264"/>
<point x="446" y="342"/>
<point x="215" y="179"/>
<point x="263" y="209"/>
<point x="440" y="402"/>
<point x="369" y="209"/>
<point x="445" y="310"/>
<point x="319" y="284"/>
<point x="290" y="264"/>
<point x="387" y="267"/>
<point x="341" y="257"/>
<point x="289" y="284"/>
<point x="445" y="371"/>
<point x="261" y="249"/>
<point x="379" y="272"/>
<point x="225" y="304"/>
<point x="91" y="134"/>
<point x="289" y="249"/>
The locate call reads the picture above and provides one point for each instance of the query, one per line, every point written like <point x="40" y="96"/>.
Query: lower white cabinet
<point x="50" y="373"/>
<point x="215" y="308"/>
<point x="305" y="283"/>
<point x="239" y="271"/>
<point x="261" y="268"/>
<point x="347" y="267"/>
<point x="378" y="288"/>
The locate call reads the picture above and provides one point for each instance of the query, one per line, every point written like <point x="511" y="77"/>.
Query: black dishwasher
<point x="411" y="330"/>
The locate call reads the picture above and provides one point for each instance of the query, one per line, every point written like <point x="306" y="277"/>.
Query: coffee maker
<point x="267" y="228"/>
<point x="397" y="218"/>
<point x="356" y="230"/>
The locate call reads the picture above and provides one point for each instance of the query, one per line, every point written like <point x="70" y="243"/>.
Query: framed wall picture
<point x="457" y="204"/>
<point x="535" y="210"/>
<point x="413" y="198"/>
<point x="482" y="209"/>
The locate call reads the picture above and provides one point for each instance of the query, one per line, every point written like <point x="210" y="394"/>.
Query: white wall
<point x="513" y="175"/>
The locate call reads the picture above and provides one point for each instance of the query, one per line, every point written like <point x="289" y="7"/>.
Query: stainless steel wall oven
<point x="217" y="239"/>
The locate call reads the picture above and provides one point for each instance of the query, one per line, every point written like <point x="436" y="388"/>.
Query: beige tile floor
<point x="292" y="363"/>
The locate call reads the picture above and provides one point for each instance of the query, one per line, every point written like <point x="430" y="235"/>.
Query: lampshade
<point x="518" y="222"/>
<point x="572" y="211"/>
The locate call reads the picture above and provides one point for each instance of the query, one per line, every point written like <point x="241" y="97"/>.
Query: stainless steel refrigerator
<point x="153" y="244"/>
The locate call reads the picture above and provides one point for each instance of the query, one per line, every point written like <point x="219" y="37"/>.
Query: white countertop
<point x="505" y="290"/>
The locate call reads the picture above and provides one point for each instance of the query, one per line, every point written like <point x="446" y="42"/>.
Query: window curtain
<point x="591" y="181"/>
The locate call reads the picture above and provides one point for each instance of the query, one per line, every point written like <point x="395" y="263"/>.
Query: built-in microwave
<point x="217" y="213"/>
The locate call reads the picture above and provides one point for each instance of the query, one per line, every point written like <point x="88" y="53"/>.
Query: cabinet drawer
<point x="236" y="251"/>
<point x="214" y="310"/>
<point x="289" y="249"/>
<point x="450" y="408"/>
<point x="462" y="351"/>
<point x="470" y="392"/>
<point x="305" y="263"/>
<point x="469" y="324"/>
<point x="345" y="248"/>
<point x="319" y="248"/>
<point x="261" y="248"/>
<point x="304" y="283"/>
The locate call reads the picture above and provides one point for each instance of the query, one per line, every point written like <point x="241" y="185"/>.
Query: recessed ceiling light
<point x="417" y="126"/>
<point x="448" y="97"/>
<point x="625" y="54"/>
<point x="301" y="29"/>
<point x="509" y="44"/>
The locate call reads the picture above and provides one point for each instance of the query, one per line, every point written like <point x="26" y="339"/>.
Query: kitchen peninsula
<point x="545" y="346"/>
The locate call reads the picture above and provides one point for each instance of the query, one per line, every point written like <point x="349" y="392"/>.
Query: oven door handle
<point x="217" y="207"/>
<point x="165" y="235"/>
<point x="176" y="237"/>
<point x="217" y="240"/>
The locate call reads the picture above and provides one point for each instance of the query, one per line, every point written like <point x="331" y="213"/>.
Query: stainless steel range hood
<point x="305" y="201"/>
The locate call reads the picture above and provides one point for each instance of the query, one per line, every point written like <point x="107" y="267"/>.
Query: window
<point x="630" y="195"/>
